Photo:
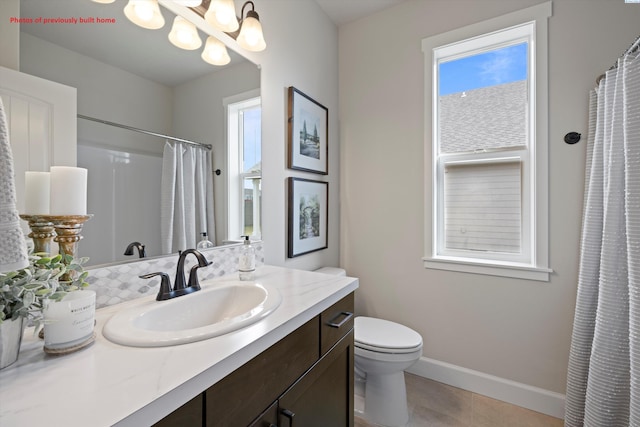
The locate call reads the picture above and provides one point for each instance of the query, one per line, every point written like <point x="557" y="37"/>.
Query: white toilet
<point x="383" y="350"/>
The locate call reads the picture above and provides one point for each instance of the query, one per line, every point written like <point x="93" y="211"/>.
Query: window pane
<point x="251" y="140"/>
<point x="251" y="206"/>
<point x="483" y="100"/>
<point x="483" y="206"/>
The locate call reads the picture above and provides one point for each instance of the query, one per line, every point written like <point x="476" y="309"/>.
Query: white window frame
<point x="235" y="181"/>
<point x="525" y="25"/>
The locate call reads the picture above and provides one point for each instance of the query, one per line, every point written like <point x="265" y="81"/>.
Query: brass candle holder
<point x="42" y="232"/>
<point x="67" y="231"/>
<point x="68" y="228"/>
<point x="66" y="235"/>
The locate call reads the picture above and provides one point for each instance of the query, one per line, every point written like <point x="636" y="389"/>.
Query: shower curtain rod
<point x="634" y="46"/>
<point x="159" y="135"/>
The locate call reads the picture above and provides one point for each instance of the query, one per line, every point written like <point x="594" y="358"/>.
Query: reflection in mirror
<point x="135" y="77"/>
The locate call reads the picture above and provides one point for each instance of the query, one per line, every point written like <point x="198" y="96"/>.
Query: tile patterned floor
<point x="433" y="404"/>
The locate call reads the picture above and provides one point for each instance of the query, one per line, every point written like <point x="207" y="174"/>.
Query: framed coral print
<point x="308" y="130"/>
<point x="308" y="212"/>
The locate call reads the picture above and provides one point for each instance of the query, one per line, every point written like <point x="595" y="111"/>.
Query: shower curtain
<point x="603" y="386"/>
<point x="187" y="196"/>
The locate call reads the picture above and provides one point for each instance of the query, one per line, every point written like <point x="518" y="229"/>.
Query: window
<point x="486" y="150"/>
<point x="245" y="166"/>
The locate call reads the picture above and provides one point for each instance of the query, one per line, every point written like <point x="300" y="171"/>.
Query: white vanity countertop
<point x="108" y="384"/>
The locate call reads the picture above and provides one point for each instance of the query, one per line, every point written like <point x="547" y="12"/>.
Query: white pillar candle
<point x="68" y="191"/>
<point x="36" y="189"/>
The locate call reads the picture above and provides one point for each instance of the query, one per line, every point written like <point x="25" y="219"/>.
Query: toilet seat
<point x="383" y="336"/>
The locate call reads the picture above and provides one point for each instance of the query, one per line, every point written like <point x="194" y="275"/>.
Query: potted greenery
<point x="24" y="293"/>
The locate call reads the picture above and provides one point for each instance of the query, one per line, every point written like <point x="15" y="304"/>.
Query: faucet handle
<point x="165" y="285"/>
<point x="193" y="275"/>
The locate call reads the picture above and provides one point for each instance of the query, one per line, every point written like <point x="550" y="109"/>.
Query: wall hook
<point x="572" y="137"/>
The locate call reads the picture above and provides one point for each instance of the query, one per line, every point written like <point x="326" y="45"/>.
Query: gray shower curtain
<point x="186" y="197"/>
<point x="603" y="386"/>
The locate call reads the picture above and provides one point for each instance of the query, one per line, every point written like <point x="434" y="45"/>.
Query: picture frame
<point x="308" y="213"/>
<point x="308" y="144"/>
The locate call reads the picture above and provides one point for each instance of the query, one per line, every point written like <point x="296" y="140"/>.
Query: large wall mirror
<point x="135" y="77"/>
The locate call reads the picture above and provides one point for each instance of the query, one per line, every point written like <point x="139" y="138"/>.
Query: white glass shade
<point x="103" y="1"/>
<point x="222" y="15"/>
<point x="188" y="3"/>
<point x="215" y="52"/>
<point x="250" y="36"/>
<point x="184" y="34"/>
<point x="144" y="13"/>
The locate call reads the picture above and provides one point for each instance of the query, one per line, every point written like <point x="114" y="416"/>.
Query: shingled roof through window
<point x="485" y="118"/>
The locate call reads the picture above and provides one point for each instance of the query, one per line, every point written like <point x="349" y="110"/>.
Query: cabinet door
<point x="324" y="396"/>
<point x="244" y="394"/>
<point x="188" y="415"/>
<point x="268" y="419"/>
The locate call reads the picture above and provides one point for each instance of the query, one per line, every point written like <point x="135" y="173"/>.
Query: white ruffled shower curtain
<point x="187" y="196"/>
<point x="603" y="386"/>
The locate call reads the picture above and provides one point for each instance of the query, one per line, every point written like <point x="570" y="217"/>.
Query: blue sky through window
<point x="499" y="66"/>
<point x="252" y="138"/>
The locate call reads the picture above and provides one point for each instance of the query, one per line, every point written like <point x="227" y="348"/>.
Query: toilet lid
<point x="385" y="336"/>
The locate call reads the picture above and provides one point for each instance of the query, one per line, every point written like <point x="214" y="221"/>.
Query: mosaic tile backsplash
<point x="119" y="283"/>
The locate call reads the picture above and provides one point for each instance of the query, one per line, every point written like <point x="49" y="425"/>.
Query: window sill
<point x="513" y="270"/>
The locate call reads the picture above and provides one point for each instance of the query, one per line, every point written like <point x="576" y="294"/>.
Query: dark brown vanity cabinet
<point x="304" y="380"/>
<point x="324" y="395"/>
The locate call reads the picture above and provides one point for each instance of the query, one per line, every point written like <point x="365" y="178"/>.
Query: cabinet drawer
<point x="237" y="398"/>
<point x="335" y="322"/>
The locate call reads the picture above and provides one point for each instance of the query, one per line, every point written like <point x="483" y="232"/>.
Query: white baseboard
<point x="526" y="396"/>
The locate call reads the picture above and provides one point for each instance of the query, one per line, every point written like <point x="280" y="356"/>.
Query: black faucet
<point x="141" y="252"/>
<point x="180" y="287"/>
<point x="179" y="283"/>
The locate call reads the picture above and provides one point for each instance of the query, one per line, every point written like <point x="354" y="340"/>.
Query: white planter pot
<point x="10" y="339"/>
<point x="69" y="323"/>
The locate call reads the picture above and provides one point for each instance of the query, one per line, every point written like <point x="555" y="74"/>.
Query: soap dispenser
<point x="204" y="243"/>
<point x="247" y="262"/>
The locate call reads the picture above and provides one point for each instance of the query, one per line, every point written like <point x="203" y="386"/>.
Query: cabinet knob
<point x="289" y="414"/>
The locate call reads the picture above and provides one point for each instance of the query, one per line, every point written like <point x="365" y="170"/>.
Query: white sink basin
<point x="217" y="309"/>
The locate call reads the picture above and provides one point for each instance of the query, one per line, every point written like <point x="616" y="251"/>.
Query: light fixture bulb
<point x="184" y="34"/>
<point x="251" y="37"/>
<point x="222" y="15"/>
<point x="215" y="52"/>
<point x="144" y="13"/>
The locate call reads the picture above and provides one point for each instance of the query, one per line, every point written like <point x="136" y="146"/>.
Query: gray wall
<point x="302" y="45"/>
